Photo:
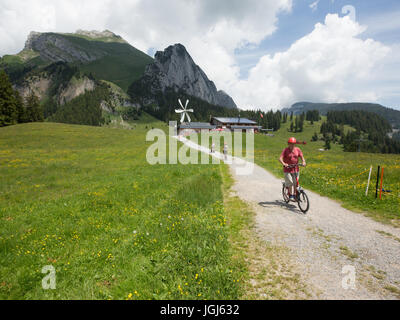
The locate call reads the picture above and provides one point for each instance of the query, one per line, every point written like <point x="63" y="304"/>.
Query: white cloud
<point x="314" y="5"/>
<point x="210" y="30"/>
<point x="156" y="23"/>
<point x="330" y="64"/>
<point x="18" y="18"/>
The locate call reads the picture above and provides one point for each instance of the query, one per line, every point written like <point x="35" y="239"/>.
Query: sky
<point x="266" y="54"/>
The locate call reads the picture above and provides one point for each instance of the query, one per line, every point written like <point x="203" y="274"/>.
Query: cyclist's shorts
<point x="290" y="178"/>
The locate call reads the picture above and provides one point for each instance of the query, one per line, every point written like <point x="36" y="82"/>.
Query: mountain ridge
<point x="60" y="67"/>
<point x="102" y="53"/>
<point x="391" y="115"/>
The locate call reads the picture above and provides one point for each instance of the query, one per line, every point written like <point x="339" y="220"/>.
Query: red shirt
<point x="291" y="157"/>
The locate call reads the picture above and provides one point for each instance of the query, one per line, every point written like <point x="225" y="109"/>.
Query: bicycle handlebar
<point x="295" y="165"/>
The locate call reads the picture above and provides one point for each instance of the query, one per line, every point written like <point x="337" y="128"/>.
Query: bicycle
<point x="300" y="196"/>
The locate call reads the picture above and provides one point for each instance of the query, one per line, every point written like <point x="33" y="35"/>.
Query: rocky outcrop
<point x="75" y="88"/>
<point x="105" y="35"/>
<point x="36" y="84"/>
<point x="225" y="100"/>
<point x="56" y="47"/>
<point x="174" y="68"/>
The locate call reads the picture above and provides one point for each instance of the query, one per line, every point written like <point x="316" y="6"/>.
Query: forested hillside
<point x="370" y="134"/>
<point x="391" y="115"/>
<point x="13" y="109"/>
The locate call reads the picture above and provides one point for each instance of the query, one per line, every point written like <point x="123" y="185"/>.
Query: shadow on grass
<point x="280" y="204"/>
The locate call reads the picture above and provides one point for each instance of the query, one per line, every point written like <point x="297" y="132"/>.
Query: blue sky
<point x="302" y="19"/>
<point x="382" y="19"/>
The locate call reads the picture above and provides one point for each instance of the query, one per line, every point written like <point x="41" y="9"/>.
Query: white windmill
<point x="184" y="111"/>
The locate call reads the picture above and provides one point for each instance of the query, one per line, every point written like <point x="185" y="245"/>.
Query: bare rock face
<point x="74" y="89"/>
<point x="95" y="33"/>
<point x="40" y="84"/>
<point x="175" y="68"/>
<point x="105" y="35"/>
<point x="36" y="84"/>
<point x="56" y="47"/>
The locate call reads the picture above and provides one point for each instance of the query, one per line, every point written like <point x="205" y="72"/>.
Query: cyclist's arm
<point x="281" y="161"/>
<point x="303" y="160"/>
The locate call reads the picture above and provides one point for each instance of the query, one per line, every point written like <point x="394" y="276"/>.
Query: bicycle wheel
<point x="285" y="194"/>
<point x="303" y="202"/>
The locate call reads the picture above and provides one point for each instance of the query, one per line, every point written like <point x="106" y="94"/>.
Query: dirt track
<point x="324" y="240"/>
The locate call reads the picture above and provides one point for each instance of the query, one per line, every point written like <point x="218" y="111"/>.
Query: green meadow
<point x="84" y="200"/>
<point x="340" y="175"/>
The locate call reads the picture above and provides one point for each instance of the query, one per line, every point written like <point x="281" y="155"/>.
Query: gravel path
<point x="324" y="240"/>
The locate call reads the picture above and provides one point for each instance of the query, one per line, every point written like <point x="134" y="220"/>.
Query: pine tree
<point x="301" y="123"/>
<point x="8" y="104"/>
<point x="33" y="108"/>
<point x="291" y="126"/>
<point x="21" y="112"/>
<point x="327" y="143"/>
<point x="314" y="137"/>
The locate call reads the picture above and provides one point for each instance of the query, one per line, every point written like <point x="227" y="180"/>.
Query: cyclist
<point x="290" y="156"/>
<point x="225" y="150"/>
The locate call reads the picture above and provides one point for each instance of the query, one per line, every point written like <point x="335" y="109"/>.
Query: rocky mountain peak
<point x="94" y="34"/>
<point x="33" y="35"/>
<point x="175" y="68"/>
<point x="176" y="50"/>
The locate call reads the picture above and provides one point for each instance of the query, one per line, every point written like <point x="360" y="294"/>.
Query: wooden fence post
<point x="377" y="182"/>
<point x="380" y="191"/>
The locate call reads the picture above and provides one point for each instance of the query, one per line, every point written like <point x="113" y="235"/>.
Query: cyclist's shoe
<point x="292" y="198"/>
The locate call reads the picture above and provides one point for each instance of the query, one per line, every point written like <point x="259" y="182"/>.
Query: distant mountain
<point x="103" y="54"/>
<point x="391" y="115"/>
<point x="78" y="76"/>
<point x="174" y="69"/>
<point x="66" y="69"/>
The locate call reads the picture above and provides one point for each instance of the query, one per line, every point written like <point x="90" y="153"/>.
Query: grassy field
<point x="84" y="200"/>
<point x="339" y="175"/>
<point x="145" y="121"/>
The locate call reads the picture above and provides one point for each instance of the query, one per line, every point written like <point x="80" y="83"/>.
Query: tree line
<point x="370" y="134"/>
<point x="84" y="109"/>
<point x="13" y="108"/>
<point x="297" y="122"/>
<point x="163" y="107"/>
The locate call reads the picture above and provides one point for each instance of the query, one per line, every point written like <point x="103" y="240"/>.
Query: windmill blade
<point x="187" y="114"/>
<point x="179" y="100"/>
<point x="183" y="117"/>
<point x="179" y="110"/>
<point x="187" y="101"/>
<point x="189" y="110"/>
